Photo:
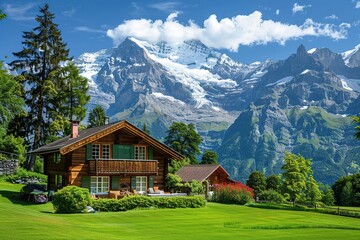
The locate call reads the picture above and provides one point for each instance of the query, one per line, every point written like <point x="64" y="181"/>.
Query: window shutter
<point x="133" y="182"/>
<point x="86" y="182"/>
<point x="151" y="181"/>
<point x="132" y="152"/>
<point x="89" y="152"/>
<point x="150" y="153"/>
<point x="123" y="151"/>
<point x="115" y="182"/>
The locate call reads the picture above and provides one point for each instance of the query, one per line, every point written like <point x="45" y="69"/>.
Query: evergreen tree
<point x="146" y="129"/>
<point x="184" y="139"/>
<point x="209" y="157"/>
<point x="97" y="117"/>
<point x="296" y="172"/>
<point x="42" y="62"/>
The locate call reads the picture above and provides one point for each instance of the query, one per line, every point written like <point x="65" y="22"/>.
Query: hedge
<point x="133" y="202"/>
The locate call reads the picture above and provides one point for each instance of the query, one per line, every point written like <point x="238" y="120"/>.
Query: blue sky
<point x="247" y="30"/>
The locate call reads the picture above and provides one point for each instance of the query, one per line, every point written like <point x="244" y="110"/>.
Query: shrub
<point x="271" y="196"/>
<point x="236" y="193"/>
<point x="133" y="202"/>
<point x="71" y="199"/>
<point x="26" y="176"/>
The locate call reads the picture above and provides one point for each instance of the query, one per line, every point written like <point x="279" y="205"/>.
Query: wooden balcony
<point x="121" y="166"/>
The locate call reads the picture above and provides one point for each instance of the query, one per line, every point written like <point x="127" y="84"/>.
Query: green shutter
<point x="133" y="182"/>
<point x="123" y="151"/>
<point x="115" y="182"/>
<point x="131" y="152"/>
<point x="86" y="182"/>
<point x="150" y="153"/>
<point x="151" y="181"/>
<point x="89" y="152"/>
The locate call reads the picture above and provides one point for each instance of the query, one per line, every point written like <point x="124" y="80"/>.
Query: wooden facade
<point x="118" y="157"/>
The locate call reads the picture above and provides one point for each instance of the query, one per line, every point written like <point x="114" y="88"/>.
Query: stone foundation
<point x="8" y="167"/>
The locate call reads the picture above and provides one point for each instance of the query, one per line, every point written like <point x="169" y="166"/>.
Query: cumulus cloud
<point x="357" y="4"/>
<point x="226" y="33"/>
<point x="299" y="8"/>
<point x="277" y="12"/>
<point x="19" y="12"/>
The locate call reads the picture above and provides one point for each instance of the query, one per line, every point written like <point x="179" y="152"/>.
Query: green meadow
<point x="19" y="220"/>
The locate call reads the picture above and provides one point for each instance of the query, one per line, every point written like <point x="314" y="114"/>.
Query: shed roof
<point x="199" y="172"/>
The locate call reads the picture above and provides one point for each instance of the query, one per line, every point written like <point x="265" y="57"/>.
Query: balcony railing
<point x="116" y="166"/>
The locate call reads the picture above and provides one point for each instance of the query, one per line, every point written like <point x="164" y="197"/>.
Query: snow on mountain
<point x="90" y="65"/>
<point x="352" y="57"/>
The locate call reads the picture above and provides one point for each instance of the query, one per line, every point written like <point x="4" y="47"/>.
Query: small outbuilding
<point x="213" y="173"/>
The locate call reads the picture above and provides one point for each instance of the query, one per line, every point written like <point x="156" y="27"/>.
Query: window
<point x="99" y="185"/>
<point x="141" y="183"/>
<point x="106" y="151"/>
<point x="140" y="152"/>
<point x="95" y="151"/>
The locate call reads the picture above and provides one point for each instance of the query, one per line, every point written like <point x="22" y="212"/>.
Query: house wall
<point x="73" y="166"/>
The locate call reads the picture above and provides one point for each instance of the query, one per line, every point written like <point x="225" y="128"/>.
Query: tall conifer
<point x="44" y="64"/>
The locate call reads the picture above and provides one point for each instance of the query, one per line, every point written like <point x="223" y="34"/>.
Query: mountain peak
<point x="301" y="50"/>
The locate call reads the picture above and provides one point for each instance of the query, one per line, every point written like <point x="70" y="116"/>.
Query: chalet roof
<point x="199" y="172"/>
<point x="89" y="135"/>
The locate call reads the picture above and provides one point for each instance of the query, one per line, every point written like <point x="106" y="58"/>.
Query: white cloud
<point x="357" y="4"/>
<point x="333" y="16"/>
<point x="87" y="29"/>
<point x="277" y="12"/>
<point x="299" y="8"/>
<point x="19" y="12"/>
<point x="69" y="13"/>
<point x="227" y="33"/>
<point x="166" y="6"/>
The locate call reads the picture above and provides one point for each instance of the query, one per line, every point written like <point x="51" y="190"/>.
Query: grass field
<point x="19" y="220"/>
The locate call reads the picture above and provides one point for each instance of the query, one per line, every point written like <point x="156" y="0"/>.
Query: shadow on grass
<point x="15" y="197"/>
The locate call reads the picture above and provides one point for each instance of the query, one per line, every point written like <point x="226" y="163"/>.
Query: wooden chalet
<point x="213" y="173"/>
<point x="116" y="156"/>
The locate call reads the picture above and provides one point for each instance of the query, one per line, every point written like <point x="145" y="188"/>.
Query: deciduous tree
<point x="257" y="181"/>
<point x="184" y="139"/>
<point x="296" y="172"/>
<point x="209" y="157"/>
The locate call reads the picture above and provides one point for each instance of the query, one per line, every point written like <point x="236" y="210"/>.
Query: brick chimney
<point x="74" y="129"/>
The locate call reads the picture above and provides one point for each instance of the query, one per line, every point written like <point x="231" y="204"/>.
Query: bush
<point x="237" y="193"/>
<point x="23" y="175"/>
<point x="133" y="202"/>
<point x="271" y="196"/>
<point x="71" y="199"/>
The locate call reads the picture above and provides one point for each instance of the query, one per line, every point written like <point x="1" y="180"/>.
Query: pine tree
<point x="97" y="117"/>
<point x="42" y="62"/>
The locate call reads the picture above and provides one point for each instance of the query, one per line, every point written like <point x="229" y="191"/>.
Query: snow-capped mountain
<point x="352" y="57"/>
<point x="281" y="103"/>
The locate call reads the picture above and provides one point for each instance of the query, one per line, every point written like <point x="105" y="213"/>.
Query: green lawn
<point x="215" y="221"/>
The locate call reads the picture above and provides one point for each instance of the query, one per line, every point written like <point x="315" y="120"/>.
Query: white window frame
<point x="105" y="151"/>
<point x="141" y="183"/>
<point x="95" y="151"/>
<point x="99" y="184"/>
<point x="140" y="152"/>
